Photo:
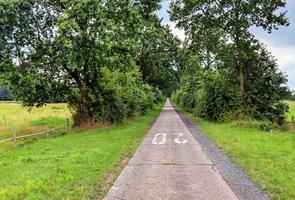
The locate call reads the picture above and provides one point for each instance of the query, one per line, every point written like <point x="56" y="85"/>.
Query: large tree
<point x="232" y="18"/>
<point x="54" y="47"/>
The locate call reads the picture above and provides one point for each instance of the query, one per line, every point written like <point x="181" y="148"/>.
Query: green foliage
<point x="258" y="125"/>
<point x="5" y="94"/>
<point x="124" y="95"/>
<point x="212" y="97"/>
<point x="218" y="34"/>
<point x="216" y="97"/>
<point x="266" y="86"/>
<point x="291" y="96"/>
<point x="63" y="49"/>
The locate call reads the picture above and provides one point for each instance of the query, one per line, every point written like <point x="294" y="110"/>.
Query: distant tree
<point x="291" y="96"/>
<point x="5" y="94"/>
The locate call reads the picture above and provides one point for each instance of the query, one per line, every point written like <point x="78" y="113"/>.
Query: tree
<point x="158" y="54"/>
<point x="5" y="94"/>
<point x="232" y="18"/>
<point x="227" y="56"/>
<point x="66" y="48"/>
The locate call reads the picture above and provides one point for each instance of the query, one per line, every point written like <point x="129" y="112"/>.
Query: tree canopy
<point x="111" y="59"/>
<point x="87" y="51"/>
<point x="234" y="73"/>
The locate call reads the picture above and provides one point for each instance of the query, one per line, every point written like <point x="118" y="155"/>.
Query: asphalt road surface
<point x="170" y="164"/>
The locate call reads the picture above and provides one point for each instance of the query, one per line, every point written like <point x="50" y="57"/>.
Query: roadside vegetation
<point x="72" y="166"/>
<point x="110" y="61"/>
<point x="266" y="156"/>
<point x="106" y="65"/>
<point x="232" y="86"/>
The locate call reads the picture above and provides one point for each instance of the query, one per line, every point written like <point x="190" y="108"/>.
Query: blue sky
<point x="281" y="43"/>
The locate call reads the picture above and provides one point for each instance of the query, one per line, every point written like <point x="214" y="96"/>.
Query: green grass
<point x="268" y="158"/>
<point x="72" y="166"/>
<point x="13" y="114"/>
<point x="291" y="110"/>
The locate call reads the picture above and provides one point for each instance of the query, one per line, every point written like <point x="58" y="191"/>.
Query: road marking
<point x="177" y="139"/>
<point x="164" y="138"/>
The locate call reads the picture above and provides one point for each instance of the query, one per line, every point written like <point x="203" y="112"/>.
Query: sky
<point x="281" y="43"/>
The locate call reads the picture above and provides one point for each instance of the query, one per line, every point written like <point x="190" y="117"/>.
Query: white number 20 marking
<point x="161" y="138"/>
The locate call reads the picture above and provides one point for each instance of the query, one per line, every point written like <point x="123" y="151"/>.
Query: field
<point x="268" y="158"/>
<point x="291" y="110"/>
<point x="13" y="114"/>
<point x="71" y="166"/>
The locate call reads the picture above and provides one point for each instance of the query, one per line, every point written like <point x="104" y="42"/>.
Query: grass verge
<point x="268" y="158"/>
<point x="73" y="166"/>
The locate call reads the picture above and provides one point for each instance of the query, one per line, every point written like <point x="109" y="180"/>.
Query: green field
<point x="71" y="166"/>
<point x="13" y="114"/>
<point x="291" y="110"/>
<point x="268" y="158"/>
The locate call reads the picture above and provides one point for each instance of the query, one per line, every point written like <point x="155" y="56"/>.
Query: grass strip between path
<point x="74" y="166"/>
<point x="268" y="158"/>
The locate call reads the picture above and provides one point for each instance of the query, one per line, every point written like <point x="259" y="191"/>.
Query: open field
<point x="14" y="114"/>
<point x="268" y="158"/>
<point x="71" y="166"/>
<point x="291" y="110"/>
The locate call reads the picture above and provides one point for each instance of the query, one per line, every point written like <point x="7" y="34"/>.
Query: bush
<point x="216" y="98"/>
<point x="255" y="124"/>
<point x="124" y="94"/>
<point x="210" y="97"/>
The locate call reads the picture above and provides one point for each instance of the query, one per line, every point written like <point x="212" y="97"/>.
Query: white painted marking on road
<point x="163" y="141"/>
<point x="177" y="139"/>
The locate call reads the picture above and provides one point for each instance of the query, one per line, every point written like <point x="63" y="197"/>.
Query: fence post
<point x="14" y="137"/>
<point x="68" y="124"/>
<point x="293" y="120"/>
<point x="47" y="132"/>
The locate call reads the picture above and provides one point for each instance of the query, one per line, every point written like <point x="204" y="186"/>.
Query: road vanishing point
<point x="170" y="164"/>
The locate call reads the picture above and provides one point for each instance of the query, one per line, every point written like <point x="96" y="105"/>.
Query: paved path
<point x="170" y="164"/>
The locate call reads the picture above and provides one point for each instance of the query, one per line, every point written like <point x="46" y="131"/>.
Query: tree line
<point x="226" y="73"/>
<point x="107" y="59"/>
<point x="111" y="59"/>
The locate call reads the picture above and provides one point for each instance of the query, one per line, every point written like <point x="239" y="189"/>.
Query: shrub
<point x="216" y="98"/>
<point x="255" y="124"/>
<point x="124" y="94"/>
<point x="210" y="97"/>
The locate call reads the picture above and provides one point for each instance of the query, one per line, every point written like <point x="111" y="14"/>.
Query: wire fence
<point x="45" y="132"/>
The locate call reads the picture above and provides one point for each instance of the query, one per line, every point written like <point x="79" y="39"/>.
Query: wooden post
<point x="68" y="124"/>
<point x="47" y="132"/>
<point x="293" y="120"/>
<point x="14" y="137"/>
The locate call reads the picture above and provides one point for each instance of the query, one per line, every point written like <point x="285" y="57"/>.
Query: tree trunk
<point x="242" y="78"/>
<point x="83" y="113"/>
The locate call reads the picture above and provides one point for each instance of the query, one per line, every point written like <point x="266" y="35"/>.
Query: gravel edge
<point x="238" y="181"/>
